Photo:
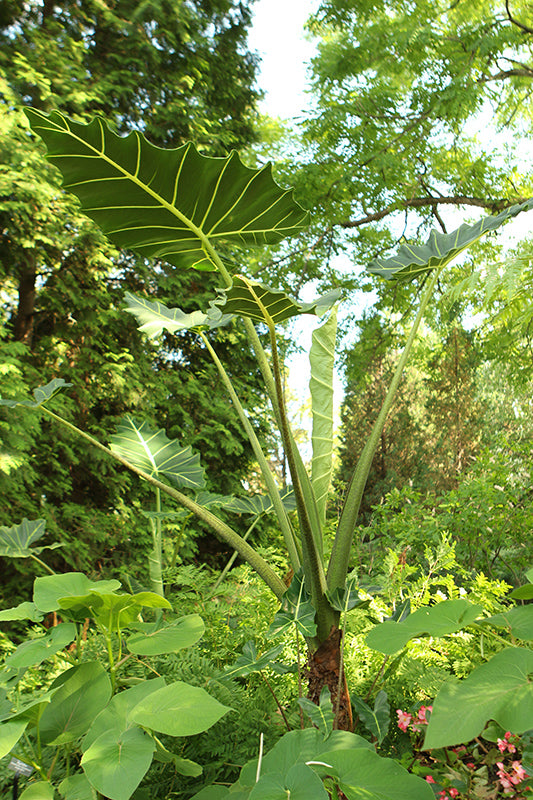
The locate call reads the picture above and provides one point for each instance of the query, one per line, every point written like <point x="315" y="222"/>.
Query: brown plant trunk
<point x="24" y="319"/>
<point x="323" y="669"/>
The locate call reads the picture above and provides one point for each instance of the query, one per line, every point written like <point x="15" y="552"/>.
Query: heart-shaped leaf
<point x="440" y="248"/>
<point x="115" y="765"/>
<point x="154" y="453"/>
<point x="156" y="317"/>
<point x="168" y="204"/>
<point x="39" y="790"/>
<point x="518" y="621"/>
<point x="82" y="692"/>
<point x="35" y="651"/>
<point x="47" y="591"/>
<point x="178" y="710"/>
<point x="41" y="394"/>
<point x="113" y="611"/>
<point x="153" y="641"/>
<point x="15" y="542"/>
<point x="10" y="732"/>
<point x="299" y="783"/>
<point x="438" y="620"/>
<point x="249" y="298"/>
<point x="500" y="690"/>
<point x="76" y="787"/>
<point x="24" y="610"/>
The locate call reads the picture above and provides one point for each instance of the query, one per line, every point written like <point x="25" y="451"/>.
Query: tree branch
<point x="515" y="21"/>
<point x="433" y="202"/>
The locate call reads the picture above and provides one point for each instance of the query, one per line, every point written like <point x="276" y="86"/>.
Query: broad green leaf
<point x="249" y="661"/>
<point x="214" y="793"/>
<point x="300" y="783"/>
<point x="322" y="359"/>
<point x="322" y="715"/>
<point x="15" y="541"/>
<point x="156" y="317"/>
<point x="300" y="747"/>
<point x="522" y="592"/>
<point x="178" y="710"/>
<point x="154" y="453"/>
<point x="438" y="620"/>
<point x="440" y="248"/>
<point x="114" y="718"/>
<point x="76" y="787"/>
<point x="183" y="766"/>
<point x="113" y="611"/>
<point x="167" y="204"/>
<point x="529" y="574"/>
<point x="257" y="504"/>
<point x="376" y="719"/>
<point x="249" y="298"/>
<point x="346" y="599"/>
<point x="47" y="591"/>
<point x="10" y="732"/>
<point x="34" y="709"/>
<point x="500" y="690"/>
<point x="296" y="609"/>
<point x="41" y="790"/>
<point x="154" y="641"/>
<point x="35" y="651"/>
<point x="363" y="775"/>
<point x="115" y="766"/>
<point x="518" y="621"/>
<point x="24" y="610"/>
<point x="41" y="394"/>
<point x="82" y="692"/>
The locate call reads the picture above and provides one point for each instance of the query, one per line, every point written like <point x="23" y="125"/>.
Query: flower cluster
<point x="408" y="721"/>
<point x="510" y="776"/>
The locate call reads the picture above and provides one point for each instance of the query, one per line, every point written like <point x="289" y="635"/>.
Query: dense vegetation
<point x="371" y="644"/>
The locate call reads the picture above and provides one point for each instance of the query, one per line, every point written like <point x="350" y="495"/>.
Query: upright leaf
<point x="154" y="453"/>
<point x="322" y="359"/>
<point x="167" y="204"/>
<point x="41" y="394"/>
<point x="15" y="541"/>
<point x="376" y="719"/>
<point x="296" y="609"/>
<point x="321" y="715"/>
<point x="440" y="248"/>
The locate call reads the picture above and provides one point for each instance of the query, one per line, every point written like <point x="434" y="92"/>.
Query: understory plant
<point x="189" y="210"/>
<point x="93" y="730"/>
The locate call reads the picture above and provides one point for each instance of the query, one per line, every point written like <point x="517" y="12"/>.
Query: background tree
<point x="179" y="71"/>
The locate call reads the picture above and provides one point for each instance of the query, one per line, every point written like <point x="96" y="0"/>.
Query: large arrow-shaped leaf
<point x="167" y="204"/>
<point x="156" y="317"/>
<point x="440" y="248"/>
<point x="252" y="299"/>
<point x="154" y="453"/>
<point x="322" y="359"/>
<point x="41" y="395"/>
<point x="15" y="541"/>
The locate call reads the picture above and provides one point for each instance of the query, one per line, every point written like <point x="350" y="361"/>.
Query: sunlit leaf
<point x="151" y="640"/>
<point x="322" y="359"/>
<point x="249" y="298"/>
<point x="441" y="248"/>
<point x="154" y="453"/>
<point x="296" y="609"/>
<point x="321" y="715"/>
<point x="500" y="690"/>
<point x="438" y="620"/>
<point x="156" y="317"/>
<point x="249" y="661"/>
<point x="35" y="651"/>
<point x="178" y="710"/>
<point x="167" y="204"/>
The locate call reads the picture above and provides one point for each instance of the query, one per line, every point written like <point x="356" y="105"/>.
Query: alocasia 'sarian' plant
<point x="188" y="209"/>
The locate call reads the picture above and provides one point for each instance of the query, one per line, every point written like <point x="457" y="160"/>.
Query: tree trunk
<point x="23" y="323"/>
<point x="324" y="668"/>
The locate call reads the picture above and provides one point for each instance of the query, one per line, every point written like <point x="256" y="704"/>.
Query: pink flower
<point x="430" y="779"/>
<point x="519" y="773"/>
<point x="422" y="711"/>
<point x="504" y="744"/>
<point x="470" y="765"/>
<point x="404" y="719"/>
<point x="453" y="792"/>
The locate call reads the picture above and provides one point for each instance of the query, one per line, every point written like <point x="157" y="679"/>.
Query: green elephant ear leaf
<point x="178" y="710"/>
<point x="151" y="640"/>
<point x="249" y="298"/>
<point x="322" y="360"/>
<point x="296" y="609"/>
<point x="116" y="765"/>
<point x="440" y="248"/>
<point x="15" y="542"/>
<point x="154" y="453"/>
<point x="499" y="690"/>
<point x="438" y="620"/>
<point x="41" y="394"/>
<point x="170" y="204"/>
<point x="518" y="620"/>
